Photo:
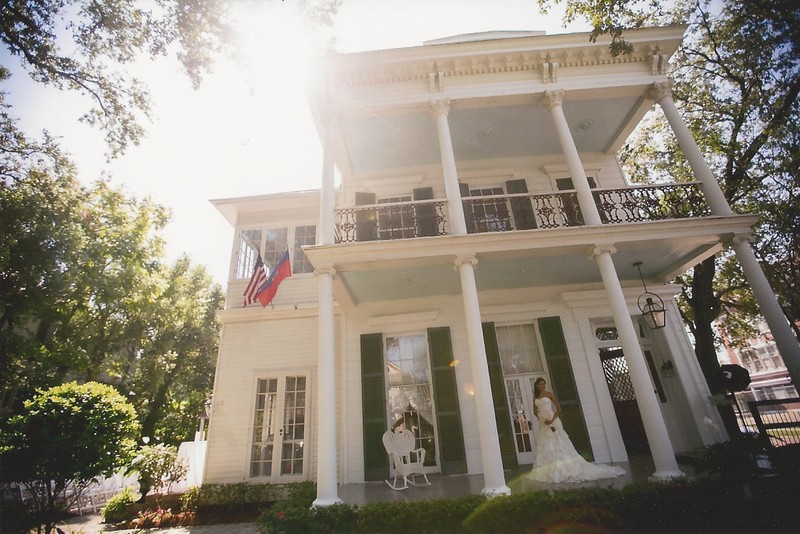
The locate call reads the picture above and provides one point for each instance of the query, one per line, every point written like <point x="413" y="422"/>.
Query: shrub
<point x="118" y="506"/>
<point x="159" y="467"/>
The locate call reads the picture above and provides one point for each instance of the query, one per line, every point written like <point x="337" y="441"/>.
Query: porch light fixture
<point x="653" y="308"/>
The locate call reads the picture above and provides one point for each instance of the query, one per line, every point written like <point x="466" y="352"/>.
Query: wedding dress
<point x="556" y="457"/>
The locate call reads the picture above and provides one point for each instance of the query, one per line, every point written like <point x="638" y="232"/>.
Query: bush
<point x="159" y="468"/>
<point x="707" y="504"/>
<point x="117" y="508"/>
<point x="15" y="517"/>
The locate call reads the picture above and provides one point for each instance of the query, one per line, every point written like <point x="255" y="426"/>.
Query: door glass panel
<point x="294" y="407"/>
<point x="409" y="391"/>
<point x="264" y="428"/>
<point x="520" y="416"/>
<point x="490" y="215"/>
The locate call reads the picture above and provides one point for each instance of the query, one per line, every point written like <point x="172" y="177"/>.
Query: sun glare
<point x="277" y="44"/>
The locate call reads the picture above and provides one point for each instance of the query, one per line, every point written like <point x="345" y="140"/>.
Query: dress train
<point x="556" y="457"/>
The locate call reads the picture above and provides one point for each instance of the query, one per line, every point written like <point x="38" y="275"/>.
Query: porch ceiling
<point x="424" y="267"/>
<point x="513" y="128"/>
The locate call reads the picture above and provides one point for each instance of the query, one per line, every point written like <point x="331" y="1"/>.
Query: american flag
<point x="256" y="281"/>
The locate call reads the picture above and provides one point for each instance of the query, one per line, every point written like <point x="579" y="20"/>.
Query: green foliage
<point x="116" y="507"/>
<point x="228" y="494"/>
<point x="708" y="504"/>
<point x="82" y="46"/>
<point x="737" y="84"/>
<point x="158" y="467"/>
<point x="84" y="295"/>
<point x="69" y="433"/>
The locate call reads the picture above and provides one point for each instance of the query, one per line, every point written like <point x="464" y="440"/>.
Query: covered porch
<point x="637" y="469"/>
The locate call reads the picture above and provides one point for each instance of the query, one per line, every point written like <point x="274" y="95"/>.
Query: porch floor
<point x="638" y="468"/>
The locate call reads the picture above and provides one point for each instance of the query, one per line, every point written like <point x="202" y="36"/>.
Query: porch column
<point x="554" y="101"/>
<point x="493" y="477"/>
<point x="767" y="302"/>
<point x="326" y="369"/>
<point x="455" y="210"/>
<point x="654" y="426"/>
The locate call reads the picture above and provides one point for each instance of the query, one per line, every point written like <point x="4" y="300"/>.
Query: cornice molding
<point x="544" y="55"/>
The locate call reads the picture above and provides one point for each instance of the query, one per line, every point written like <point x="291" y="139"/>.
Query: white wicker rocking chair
<point x="400" y="448"/>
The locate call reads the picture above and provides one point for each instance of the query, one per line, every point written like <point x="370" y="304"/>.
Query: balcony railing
<point x="503" y="213"/>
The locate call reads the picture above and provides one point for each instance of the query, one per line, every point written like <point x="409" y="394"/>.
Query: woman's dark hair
<point x="536" y="392"/>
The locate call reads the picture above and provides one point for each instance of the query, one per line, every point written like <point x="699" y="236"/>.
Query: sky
<point x="247" y="130"/>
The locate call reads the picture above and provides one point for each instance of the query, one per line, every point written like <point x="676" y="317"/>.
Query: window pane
<point x="409" y="393"/>
<point x="303" y="235"/>
<point x="249" y="246"/>
<point x="274" y="247"/>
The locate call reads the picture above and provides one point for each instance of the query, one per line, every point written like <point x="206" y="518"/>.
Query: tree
<point x="85" y="295"/>
<point x="104" y="35"/>
<point x="87" y="46"/>
<point x="170" y="369"/>
<point x="737" y="81"/>
<point x="69" y="434"/>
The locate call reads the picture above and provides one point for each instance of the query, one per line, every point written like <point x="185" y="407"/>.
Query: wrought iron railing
<point x="396" y="220"/>
<point x="651" y="203"/>
<point x="503" y="213"/>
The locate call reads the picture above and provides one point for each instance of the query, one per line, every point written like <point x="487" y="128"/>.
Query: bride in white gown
<point x="556" y="457"/>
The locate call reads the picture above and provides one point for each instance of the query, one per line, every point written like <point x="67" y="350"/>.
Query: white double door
<point x="279" y="430"/>
<point x="519" y="393"/>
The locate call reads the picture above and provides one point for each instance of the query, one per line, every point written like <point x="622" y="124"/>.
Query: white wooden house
<point x="481" y="234"/>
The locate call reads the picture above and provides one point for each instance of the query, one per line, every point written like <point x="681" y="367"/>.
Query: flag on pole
<point x="279" y="273"/>
<point x="256" y="281"/>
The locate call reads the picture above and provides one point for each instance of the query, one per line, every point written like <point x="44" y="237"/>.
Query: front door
<point x="519" y="390"/>
<point x="620" y="386"/>
<point x="279" y="429"/>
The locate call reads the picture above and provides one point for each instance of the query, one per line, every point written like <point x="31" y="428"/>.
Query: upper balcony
<point x="503" y="213"/>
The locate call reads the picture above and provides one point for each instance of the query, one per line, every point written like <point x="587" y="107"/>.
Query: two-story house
<point x="473" y="231"/>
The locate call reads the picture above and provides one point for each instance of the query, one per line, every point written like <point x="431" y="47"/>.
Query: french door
<point x="519" y="391"/>
<point x="279" y="427"/>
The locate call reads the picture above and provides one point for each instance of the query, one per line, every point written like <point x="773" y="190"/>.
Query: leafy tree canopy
<point x="68" y="434"/>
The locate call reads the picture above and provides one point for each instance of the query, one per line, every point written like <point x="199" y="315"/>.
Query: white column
<point x="455" y="210"/>
<point x="662" y="93"/>
<point x="554" y="101"/>
<point x="493" y="477"/>
<point x="326" y="370"/>
<point x="326" y="395"/>
<point x="654" y="426"/>
<point x="768" y="304"/>
<point x="327" y="192"/>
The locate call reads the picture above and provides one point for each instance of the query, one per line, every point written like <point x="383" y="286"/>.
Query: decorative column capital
<point x="597" y="250"/>
<point x="440" y="107"/>
<point x="463" y="260"/>
<point x="659" y="91"/>
<point x="554" y="98"/>
<point x="329" y="270"/>
<point x="747" y="239"/>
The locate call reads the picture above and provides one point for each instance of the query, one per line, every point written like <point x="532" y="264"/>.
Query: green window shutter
<point x="452" y="455"/>
<point x="366" y="221"/>
<point x="373" y="407"/>
<point x="524" y="218"/>
<point x="426" y="213"/>
<point x="469" y="213"/>
<point x="562" y="382"/>
<point x="505" y="432"/>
